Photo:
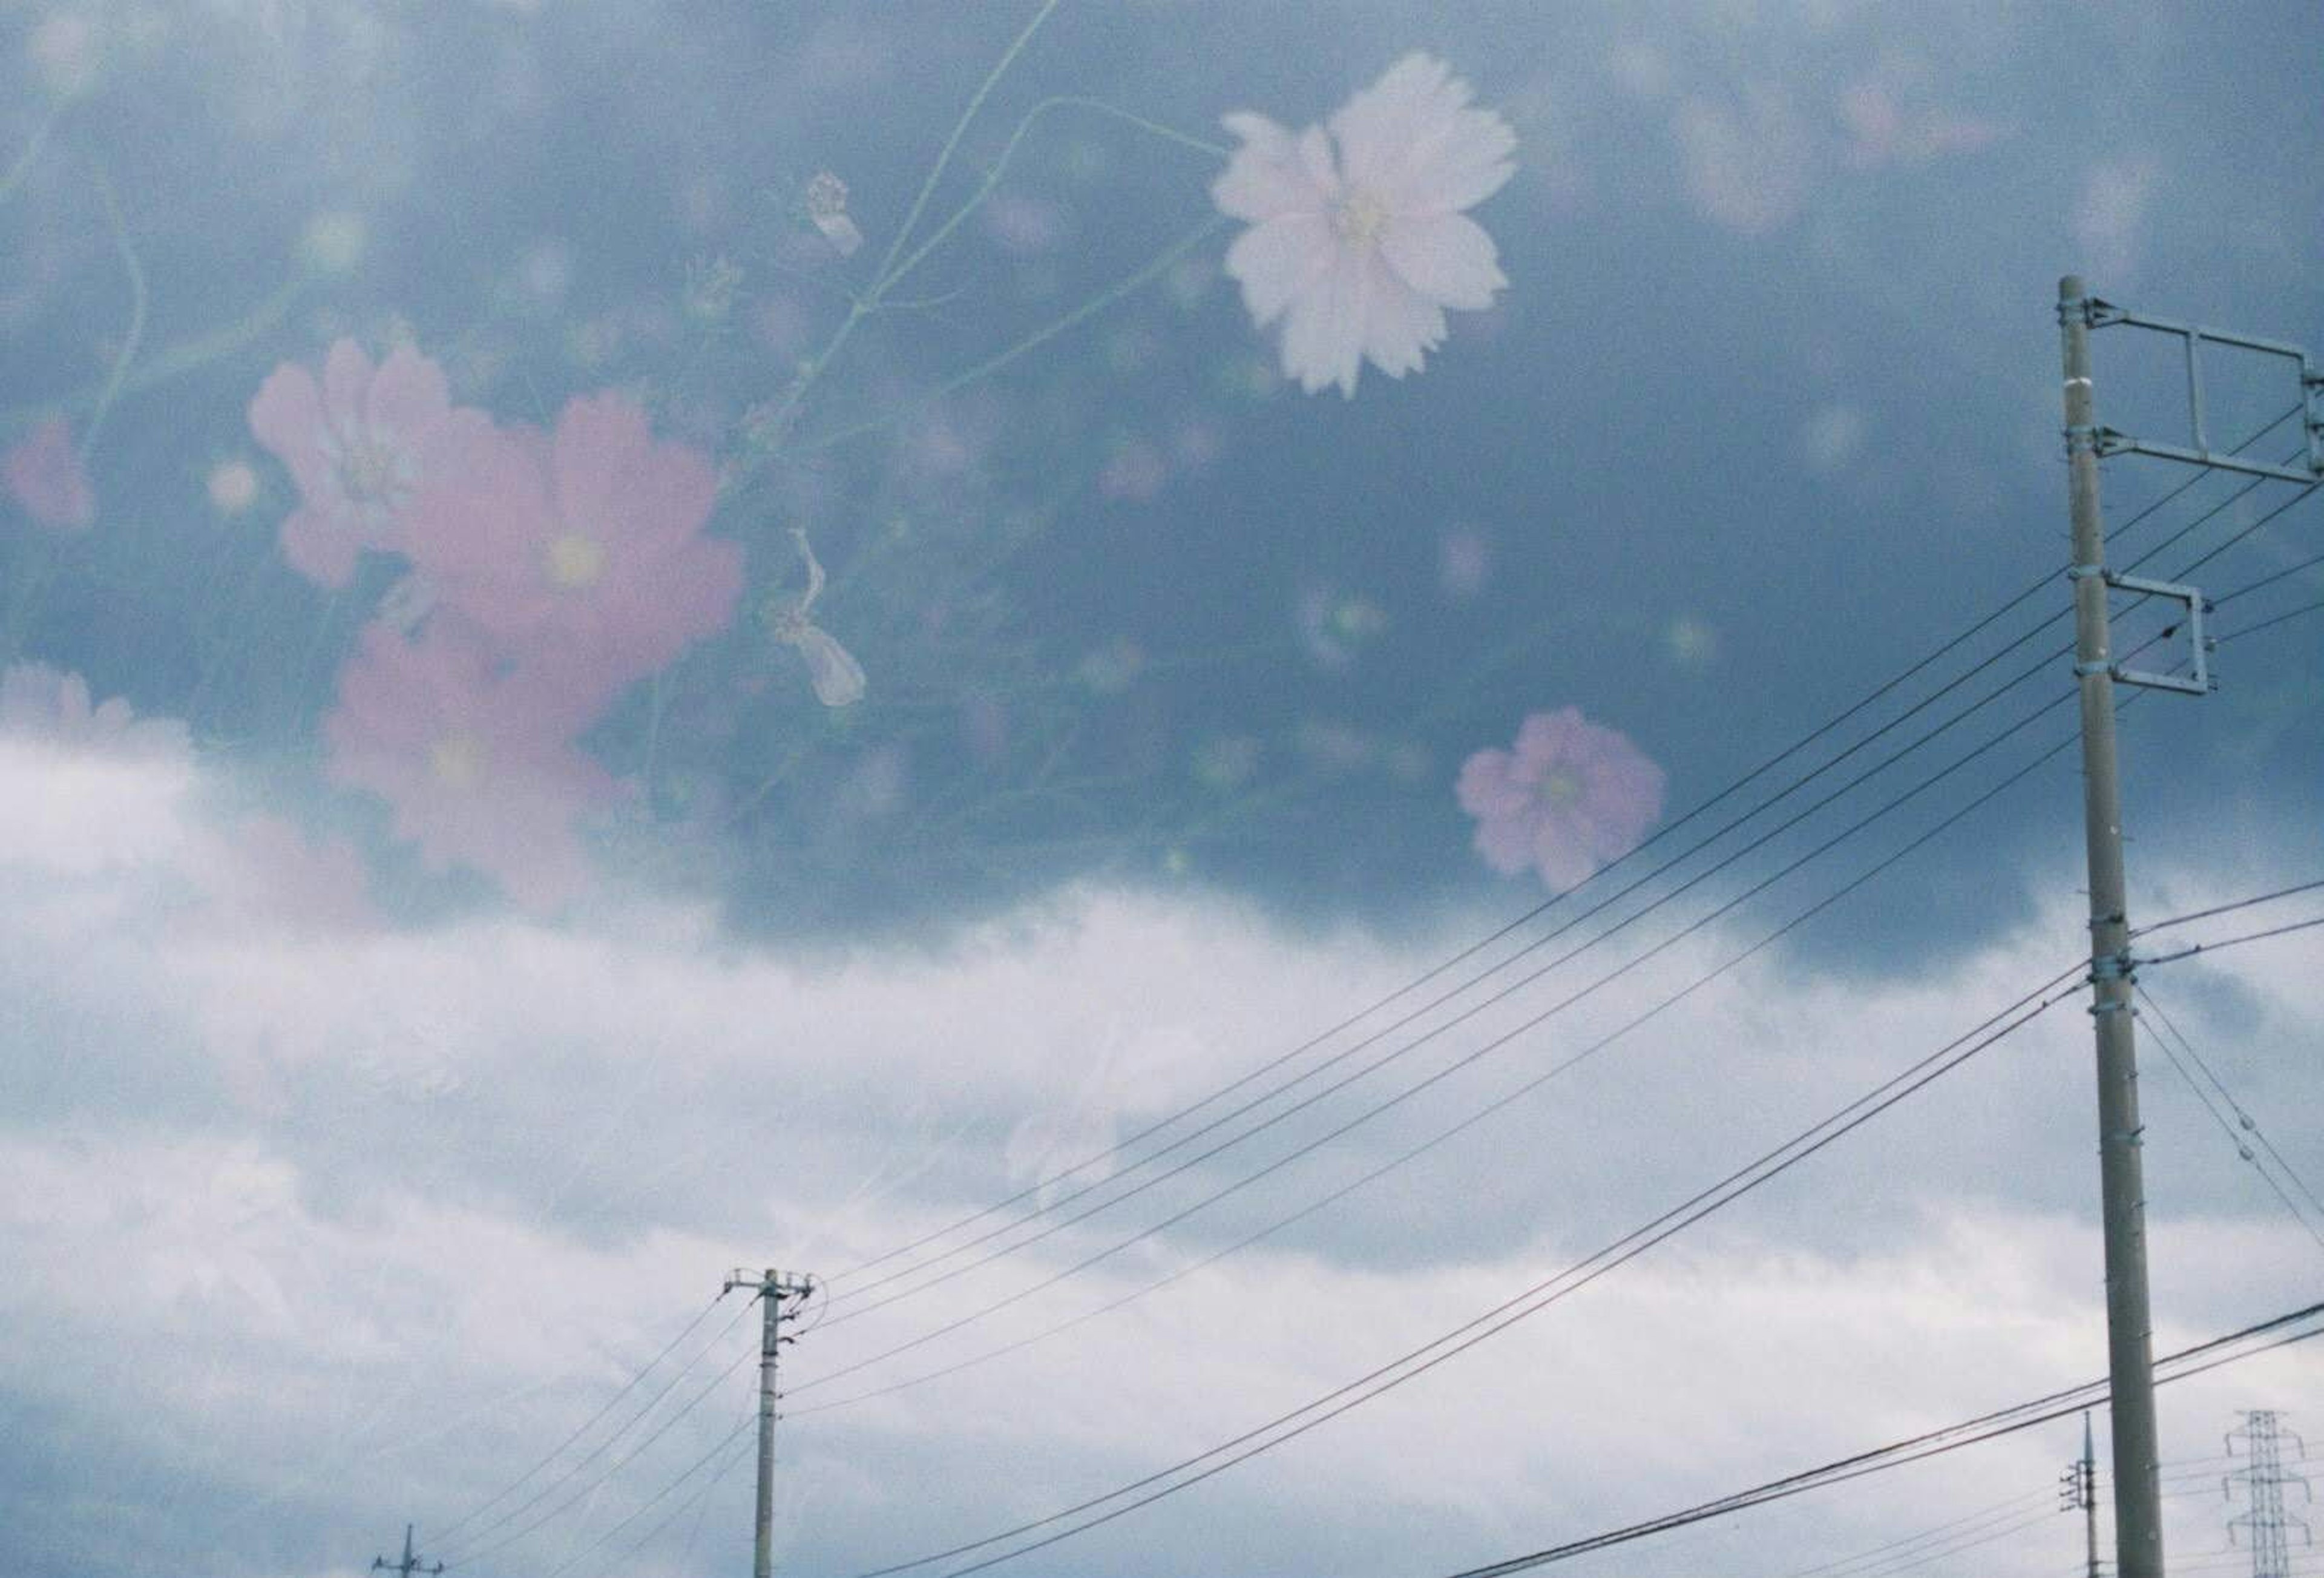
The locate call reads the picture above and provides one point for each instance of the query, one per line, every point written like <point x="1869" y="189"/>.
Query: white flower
<point x="1357" y="240"/>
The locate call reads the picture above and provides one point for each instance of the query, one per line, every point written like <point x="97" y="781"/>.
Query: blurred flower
<point x="582" y="551"/>
<point x="45" y="477"/>
<point x="233" y="487"/>
<point x="38" y="702"/>
<point x="1464" y="559"/>
<point x="333" y="243"/>
<point x="837" y="677"/>
<point x="360" y="445"/>
<point x="65" y="48"/>
<point x="826" y="207"/>
<point x="1113" y="668"/>
<point x="1334" y="627"/>
<point x="1135" y="471"/>
<point x="268" y="874"/>
<point x="1572" y="797"/>
<point x="1358" y="241"/>
<point x="478" y="765"/>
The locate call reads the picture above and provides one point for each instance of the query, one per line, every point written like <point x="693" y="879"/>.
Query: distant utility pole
<point x="774" y="1288"/>
<point x="408" y="1565"/>
<point x="2130" y="1360"/>
<point x="2264" y="1477"/>
<point x="2078" y="1487"/>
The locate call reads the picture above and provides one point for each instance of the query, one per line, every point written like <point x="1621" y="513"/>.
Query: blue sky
<point x="359" y="1140"/>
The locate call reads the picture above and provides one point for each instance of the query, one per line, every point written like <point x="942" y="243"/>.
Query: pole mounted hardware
<point x="2094" y="313"/>
<point x="409" y="1564"/>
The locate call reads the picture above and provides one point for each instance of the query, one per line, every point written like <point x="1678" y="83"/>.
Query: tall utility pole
<point x="408" y="1565"/>
<point x="2078" y="1487"/>
<point x="2130" y="1352"/>
<point x="773" y="1288"/>
<point x="2262" y="1475"/>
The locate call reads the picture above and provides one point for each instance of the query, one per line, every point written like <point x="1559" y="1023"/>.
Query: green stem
<point x="136" y="333"/>
<point x="868" y="303"/>
<point x="31" y="155"/>
<point x="1008" y="151"/>
<point x="1159" y="265"/>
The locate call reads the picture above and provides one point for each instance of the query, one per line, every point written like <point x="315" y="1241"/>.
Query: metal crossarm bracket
<point x="2197" y="683"/>
<point x="2099" y="314"/>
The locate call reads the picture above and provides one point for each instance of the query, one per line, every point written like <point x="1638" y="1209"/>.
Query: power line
<point x="1060" y="1224"/>
<point x="2217" y="944"/>
<point x="1408" y="1366"/>
<point x="1465" y="1061"/>
<point x="1870" y="698"/>
<point x="2243" y="1118"/>
<point x="468" y="1517"/>
<point x="2281" y="1330"/>
<point x="1497" y="1104"/>
<point x="470" y="1556"/>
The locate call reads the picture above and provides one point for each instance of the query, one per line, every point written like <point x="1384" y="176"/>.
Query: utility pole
<point x="2078" y="1487"/>
<point x="773" y="1288"/>
<point x="2130" y="1352"/>
<point x="2262" y="1475"/>
<point x="2130" y="1363"/>
<point x="408" y="1565"/>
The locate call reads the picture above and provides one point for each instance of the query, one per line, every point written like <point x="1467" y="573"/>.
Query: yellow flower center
<point x="1359" y="219"/>
<point x="1560" y="788"/>
<point x="458" y="759"/>
<point x="575" y="561"/>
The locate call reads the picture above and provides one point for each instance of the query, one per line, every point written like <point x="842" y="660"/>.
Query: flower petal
<point x="1277" y="261"/>
<point x="1446" y="257"/>
<point x="1323" y="329"/>
<point x="1401" y="325"/>
<point x="1265" y="178"/>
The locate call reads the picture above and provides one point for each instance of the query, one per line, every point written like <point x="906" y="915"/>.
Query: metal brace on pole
<point x="2094" y="313"/>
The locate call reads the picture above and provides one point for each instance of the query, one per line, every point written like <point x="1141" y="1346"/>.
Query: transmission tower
<point x="2264" y="1477"/>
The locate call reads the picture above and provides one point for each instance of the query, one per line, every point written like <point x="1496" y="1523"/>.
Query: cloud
<point x="447" y="1187"/>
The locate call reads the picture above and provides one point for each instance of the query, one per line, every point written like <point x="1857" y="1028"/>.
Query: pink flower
<point x="582" y="552"/>
<point x="38" y="702"/>
<point x="360" y="446"/>
<point x="479" y="765"/>
<point x="1357" y="240"/>
<point x="45" y="476"/>
<point x="267" y="873"/>
<point x="1572" y="797"/>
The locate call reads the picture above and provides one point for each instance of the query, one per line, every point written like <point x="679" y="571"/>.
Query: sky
<point x="641" y="641"/>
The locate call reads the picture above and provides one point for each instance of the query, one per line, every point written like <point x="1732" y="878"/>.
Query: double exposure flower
<point x="44" y="476"/>
<point x="580" y="551"/>
<point x="360" y="445"/>
<point x="477" y="761"/>
<point x="39" y="702"/>
<point x="1572" y="797"/>
<point x="1357" y="240"/>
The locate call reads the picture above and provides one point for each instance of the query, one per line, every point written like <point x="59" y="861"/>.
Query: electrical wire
<point x="1466" y="1060"/>
<point x="1054" y="1205"/>
<point x="2282" y="1331"/>
<point x="2243" y="1118"/>
<point x="2218" y="943"/>
<point x="466" y="1557"/>
<point x="1499" y="1103"/>
<point x="452" y="1528"/>
<point x="2257" y="899"/>
<point x="1417" y="1361"/>
<point x="722" y="1445"/>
